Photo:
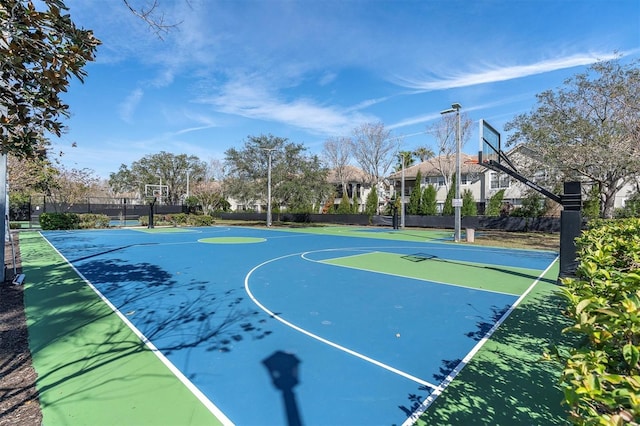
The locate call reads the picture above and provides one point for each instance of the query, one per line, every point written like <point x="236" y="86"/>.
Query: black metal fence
<point x="506" y="223"/>
<point x="121" y="209"/>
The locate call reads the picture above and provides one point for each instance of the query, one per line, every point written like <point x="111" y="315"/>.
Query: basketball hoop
<point x="470" y="161"/>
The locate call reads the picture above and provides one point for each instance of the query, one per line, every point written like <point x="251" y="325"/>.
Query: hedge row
<point x="178" y="219"/>
<point x="51" y="221"/>
<point x="601" y="377"/>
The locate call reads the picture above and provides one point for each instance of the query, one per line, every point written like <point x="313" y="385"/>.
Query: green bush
<point x="371" y="203"/>
<point x="178" y="219"/>
<point x="51" y="221"/>
<point x="201" y="220"/>
<point x="94" y="221"/>
<point x="601" y="378"/>
<point x="495" y="204"/>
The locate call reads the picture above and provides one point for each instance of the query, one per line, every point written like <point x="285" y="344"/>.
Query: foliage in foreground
<point x="178" y="219"/>
<point x="601" y="378"/>
<point x="51" y="221"/>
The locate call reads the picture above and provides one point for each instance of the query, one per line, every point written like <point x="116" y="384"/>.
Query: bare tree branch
<point x="153" y="17"/>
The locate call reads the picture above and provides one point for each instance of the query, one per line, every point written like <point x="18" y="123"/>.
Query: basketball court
<point x="246" y="326"/>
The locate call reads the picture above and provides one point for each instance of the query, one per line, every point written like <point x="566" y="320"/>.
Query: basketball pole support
<point x="570" y="216"/>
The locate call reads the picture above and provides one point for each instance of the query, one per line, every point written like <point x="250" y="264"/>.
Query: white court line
<point x="322" y="339"/>
<point x="179" y="375"/>
<point x="438" y="391"/>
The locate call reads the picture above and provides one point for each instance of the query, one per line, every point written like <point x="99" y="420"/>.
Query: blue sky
<point x="313" y="69"/>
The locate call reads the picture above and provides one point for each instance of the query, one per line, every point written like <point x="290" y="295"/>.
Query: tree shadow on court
<point x="177" y="315"/>
<point x="507" y="382"/>
<point x="66" y="315"/>
<point x="420" y="257"/>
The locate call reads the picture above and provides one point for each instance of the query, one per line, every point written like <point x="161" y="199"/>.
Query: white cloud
<point x="495" y="74"/>
<point x="129" y="105"/>
<point x="251" y="99"/>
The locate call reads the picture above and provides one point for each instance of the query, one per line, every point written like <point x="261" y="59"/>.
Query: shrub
<point x="428" y="204"/>
<point x="495" y="204"/>
<point x="51" y="221"/>
<point x="201" y="220"/>
<point x="371" y="203"/>
<point x="601" y="378"/>
<point x="469" y="206"/>
<point x="447" y="208"/>
<point x="178" y="219"/>
<point x="93" y="221"/>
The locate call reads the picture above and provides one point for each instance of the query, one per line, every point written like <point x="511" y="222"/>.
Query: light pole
<point x="402" y="159"/>
<point x="457" y="202"/>
<point x="269" y="151"/>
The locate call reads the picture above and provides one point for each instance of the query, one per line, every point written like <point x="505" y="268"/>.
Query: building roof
<point x="351" y="173"/>
<point x="434" y="166"/>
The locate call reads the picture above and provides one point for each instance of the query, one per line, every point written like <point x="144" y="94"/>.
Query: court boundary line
<point x="200" y="396"/>
<point x="415" y="416"/>
<point x="319" y="338"/>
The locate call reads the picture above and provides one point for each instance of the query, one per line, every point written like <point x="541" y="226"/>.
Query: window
<point x="500" y="180"/>
<point x="436" y="181"/>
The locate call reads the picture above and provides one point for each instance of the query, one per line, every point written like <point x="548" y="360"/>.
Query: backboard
<point x="490" y="149"/>
<point x="490" y="144"/>
<point x="160" y="192"/>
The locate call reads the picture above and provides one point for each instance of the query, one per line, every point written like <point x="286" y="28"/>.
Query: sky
<point x="310" y="70"/>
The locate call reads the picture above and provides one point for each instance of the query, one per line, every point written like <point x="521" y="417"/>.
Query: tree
<point x="415" y="197"/>
<point x="374" y="149"/>
<point x="448" y="209"/>
<point x="631" y="207"/>
<point x="210" y="196"/>
<point x="429" y="204"/>
<point x="298" y="180"/>
<point x="423" y="153"/>
<point x="73" y="186"/>
<point x="405" y="157"/>
<point x="371" y="204"/>
<point x="445" y="131"/>
<point x="30" y="175"/>
<point x="345" y="205"/>
<point x="469" y="206"/>
<point x="159" y="169"/>
<point x="151" y="15"/>
<point x="591" y="206"/>
<point x="588" y="129"/>
<point x="40" y="51"/>
<point x="494" y="206"/>
<point x="533" y="205"/>
<point x="336" y="154"/>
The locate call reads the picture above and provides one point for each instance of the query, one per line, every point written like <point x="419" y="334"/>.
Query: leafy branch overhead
<point x="40" y="51"/>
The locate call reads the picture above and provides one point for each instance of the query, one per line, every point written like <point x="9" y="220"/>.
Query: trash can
<point x="471" y="235"/>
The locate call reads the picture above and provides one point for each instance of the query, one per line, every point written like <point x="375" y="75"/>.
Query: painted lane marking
<point x="213" y="409"/>
<point x="438" y="391"/>
<point x="322" y="339"/>
<point x="325" y="262"/>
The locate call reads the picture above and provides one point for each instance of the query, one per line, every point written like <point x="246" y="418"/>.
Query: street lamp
<point x="457" y="202"/>
<point x="269" y="151"/>
<point x="402" y="159"/>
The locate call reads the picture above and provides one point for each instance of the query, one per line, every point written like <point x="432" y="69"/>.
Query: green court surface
<point x="424" y="267"/>
<point x="92" y="369"/>
<point x="507" y="382"/>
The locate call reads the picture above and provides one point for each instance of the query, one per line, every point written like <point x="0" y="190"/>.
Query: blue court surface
<point x="362" y="330"/>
